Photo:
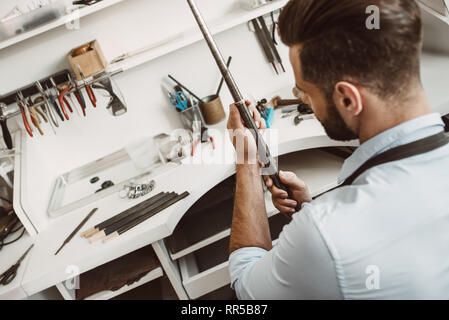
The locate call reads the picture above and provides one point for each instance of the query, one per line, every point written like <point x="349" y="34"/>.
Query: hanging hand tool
<point x="78" y="94"/>
<point x="25" y="114"/>
<point x="264" y="43"/>
<point x="89" y="90"/>
<point x="54" y="96"/>
<point x="116" y="103"/>
<point x="34" y="116"/>
<point x="9" y="275"/>
<point x="5" y="130"/>
<point x="62" y="100"/>
<point x="271" y="42"/>
<point x="46" y="107"/>
<point x="265" y="158"/>
<point x="37" y="109"/>
<point x="24" y="118"/>
<point x="53" y="103"/>
<point x="64" y="91"/>
<point x="70" y="237"/>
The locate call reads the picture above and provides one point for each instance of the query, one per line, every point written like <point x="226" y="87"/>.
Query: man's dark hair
<point x="337" y="45"/>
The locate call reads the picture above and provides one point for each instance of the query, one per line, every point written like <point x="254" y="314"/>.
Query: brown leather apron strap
<point x="399" y="153"/>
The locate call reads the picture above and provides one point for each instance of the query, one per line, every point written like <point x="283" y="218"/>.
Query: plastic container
<point x="13" y="26"/>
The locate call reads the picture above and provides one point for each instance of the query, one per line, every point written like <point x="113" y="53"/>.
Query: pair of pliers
<point x="46" y="107"/>
<point x="205" y="137"/>
<point x="35" y="116"/>
<point x="62" y="100"/>
<point x="90" y="92"/>
<point x="26" y="118"/>
<point x="78" y="95"/>
<point x="80" y="98"/>
<point x="64" y="93"/>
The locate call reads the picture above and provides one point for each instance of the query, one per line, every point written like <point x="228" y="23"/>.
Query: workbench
<point x="200" y="267"/>
<point x="44" y="270"/>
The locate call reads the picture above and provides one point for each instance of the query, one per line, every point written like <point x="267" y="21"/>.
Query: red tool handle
<point x="61" y="102"/>
<point x="68" y="105"/>
<point x="80" y="101"/>
<point x="27" y="125"/>
<point x="195" y="144"/>
<point x="91" y="95"/>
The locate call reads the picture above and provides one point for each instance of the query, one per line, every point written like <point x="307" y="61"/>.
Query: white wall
<point x="120" y="28"/>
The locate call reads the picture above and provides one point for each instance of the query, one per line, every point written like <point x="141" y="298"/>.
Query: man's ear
<point x="348" y="99"/>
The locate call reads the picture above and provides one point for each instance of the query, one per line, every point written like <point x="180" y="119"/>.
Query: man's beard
<point x="335" y="126"/>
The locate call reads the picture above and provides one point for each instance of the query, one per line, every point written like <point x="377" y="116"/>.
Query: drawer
<point x="209" y="216"/>
<point x="114" y="278"/>
<point x="210" y="219"/>
<point x="207" y="269"/>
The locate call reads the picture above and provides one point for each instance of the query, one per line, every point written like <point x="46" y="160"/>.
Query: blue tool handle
<point x="56" y="107"/>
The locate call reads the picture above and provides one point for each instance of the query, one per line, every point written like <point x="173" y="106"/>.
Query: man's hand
<point x="241" y="137"/>
<point x="297" y="188"/>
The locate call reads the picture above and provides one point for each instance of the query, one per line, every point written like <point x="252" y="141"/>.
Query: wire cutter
<point x="9" y="275"/>
<point x="62" y="100"/>
<point x="34" y="116"/>
<point x="46" y="107"/>
<point x="65" y="92"/>
<point x="205" y="137"/>
<point x="78" y="95"/>
<point x="179" y="100"/>
<point x="89" y="90"/>
<point x="24" y="117"/>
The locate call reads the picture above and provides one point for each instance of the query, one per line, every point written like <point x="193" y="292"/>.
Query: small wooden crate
<point x="91" y="61"/>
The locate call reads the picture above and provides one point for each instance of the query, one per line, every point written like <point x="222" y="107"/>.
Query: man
<point x="384" y="233"/>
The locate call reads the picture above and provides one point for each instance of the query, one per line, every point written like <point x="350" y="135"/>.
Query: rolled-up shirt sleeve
<point x="300" y="266"/>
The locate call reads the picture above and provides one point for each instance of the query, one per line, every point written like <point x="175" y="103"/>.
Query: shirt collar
<point x="404" y="133"/>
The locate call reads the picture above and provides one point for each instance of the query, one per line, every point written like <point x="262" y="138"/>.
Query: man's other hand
<point x="298" y="189"/>
<point x="241" y="137"/>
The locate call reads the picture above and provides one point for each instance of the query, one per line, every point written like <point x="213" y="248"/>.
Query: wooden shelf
<point x="85" y="11"/>
<point x="193" y="35"/>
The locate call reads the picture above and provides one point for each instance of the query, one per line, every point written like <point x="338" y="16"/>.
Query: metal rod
<point x="186" y="89"/>
<point x="228" y="64"/>
<point x="265" y="157"/>
<point x="78" y="228"/>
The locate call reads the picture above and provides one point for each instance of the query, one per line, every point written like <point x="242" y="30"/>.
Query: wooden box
<point x="89" y="57"/>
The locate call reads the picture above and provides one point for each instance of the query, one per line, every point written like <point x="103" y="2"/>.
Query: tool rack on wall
<point x="9" y="105"/>
<point x="9" y="100"/>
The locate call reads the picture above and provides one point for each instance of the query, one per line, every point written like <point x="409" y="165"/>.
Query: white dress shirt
<point x="384" y="237"/>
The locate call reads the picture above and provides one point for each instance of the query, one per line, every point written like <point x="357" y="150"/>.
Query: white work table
<point x="13" y="252"/>
<point x="45" y="270"/>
